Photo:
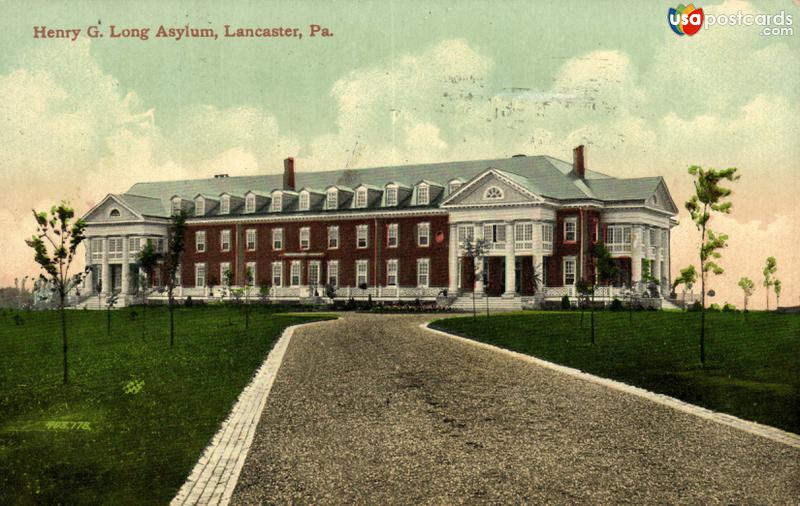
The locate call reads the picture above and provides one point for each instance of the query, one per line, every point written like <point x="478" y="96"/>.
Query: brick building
<point x="392" y="232"/>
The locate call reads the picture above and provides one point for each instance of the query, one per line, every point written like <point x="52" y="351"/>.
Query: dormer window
<point x="277" y="202"/>
<point x="114" y="213"/>
<point x="391" y="196"/>
<point x="250" y="203"/>
<point x="225" y="204"/>
<point x="422" y="195"/>
<point x="304" y="201"/>
<point x="332" y="199"/>
<point x="176" y="206"/>
<point x="493" y="193"/>
<point x="453" y="187"/>
<point x="199" y="206"/>
<point x="361" y="197"/>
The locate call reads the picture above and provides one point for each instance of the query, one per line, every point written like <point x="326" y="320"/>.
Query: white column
<point x="478" y="262"/>
<point x="637" y="253"/>
<point x="88" y="287"/>
<point x="452" y="260"/>
<point x="511" y="287"/>
<point x="106" y="271"/>
<point x="125" y="288"/>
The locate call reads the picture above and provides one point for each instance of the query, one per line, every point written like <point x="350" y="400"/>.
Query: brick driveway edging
<point x="215" y="475"/>
<point x="771" y="433"/>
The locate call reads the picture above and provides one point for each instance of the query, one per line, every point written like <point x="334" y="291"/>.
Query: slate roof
<point x="543" y="175"/>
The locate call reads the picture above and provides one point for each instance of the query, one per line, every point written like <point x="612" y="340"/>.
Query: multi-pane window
<point x="277" y="274"/>
<point x="361" y="197"/>
<point x="495" y="234"/>
<point x="294" y="273"/>
<point x="422" y="195"/>
<point x="547" y="234"/>
<point x="250" y="273"/>
<point x="200" y="241"/>
<point x="225" y="273"/>
<point x="97" y="250"/>
<point x="304" y="201"/>
<point x="225" y="204"/>
<point x="493" y="193"/>
<point x="466" y="233"/>
<point x="250" y="239"/>
<point x="277" y="238"/>
<point x="199" y="206"/>
<point x="277" y="202"/>
<point x="134" y="244"/>
<point x="391" y="272"/>
<point x="523" y="235"/>
<point x="453" y="187"/>
<point x="178" y="280"/>
<point x="392" y="235"/>
<point x="333" y="237"/>
<point x="362" y="232"/>
<point x="570" y="230"/>
<point x="199" y="275"/>
<point x="391" y="196"/>
<point x="115" y="248"/>
<point x="423" y="234"/>
<point x="423" y="272"/>
<point x="161" y="245"/>
<point x="250" y="203"/>
<point x="305" y="238"/>
<point x="569" y="271"/>
<point x="225" y="240"/>
<point x="313" y="272"/>
<point x="332" y="199"/>
<point x="176" y="205"/>
<point x="362" y="270"/>
<point x="333" y="273"/>
<point x="618" y="238"/>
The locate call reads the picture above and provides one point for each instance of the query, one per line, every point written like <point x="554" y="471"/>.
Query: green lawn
<point x="119" y="447"/>
<point x="752" y="366"/>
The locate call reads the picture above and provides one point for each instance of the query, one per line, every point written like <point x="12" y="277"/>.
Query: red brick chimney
<point x="579" y="161"/>
<point x="288" y="174"/>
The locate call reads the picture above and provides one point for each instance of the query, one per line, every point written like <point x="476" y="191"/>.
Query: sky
<point x="405" y="82"/>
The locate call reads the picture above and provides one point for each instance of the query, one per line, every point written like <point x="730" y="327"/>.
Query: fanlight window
<point x="493" y="193"/>
<point x="114" y="213"/>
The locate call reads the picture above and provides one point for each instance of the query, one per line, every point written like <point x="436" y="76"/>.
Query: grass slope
<point x="752" y="369"/>
<point x="138" y="447"/>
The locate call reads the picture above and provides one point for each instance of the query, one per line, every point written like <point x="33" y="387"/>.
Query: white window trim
<point x="332" y="199"/>
<point x="335" y="230"/>
<point x="364" y="263"/>
<point x="254" y="242"/>
<point x="396" y="228"/>
<point x="333" y="266"/>
<point x="225" y="204"/>
<point x="250" y="204"/>
<point x="396" y="263"/>
<point x="359" y="229"/>
<point x="222" y="234"/>
<point x="427" y="263"/>
<point x="425" y="226"/>
<point x="427" y="199"/>
<point x="197" y="274"/>
<point x="272" y="277"/>
<point x="222" y="267"/>
<point x="200" y="241"/>
<point x="298" y="264"/>
<point x="569" y="259"/>
<point x="454" y="186"/>
<point x="361" y="194"/>
<point x="252" y="266"/>
<point x="304" y="201"/>
<point x="199" y="206"/>
<point x="276" y="205"/>
<point x="177" y="205"/>
<point x="311" y="279"/>
<point x="573" y="221"/>
<point x="394" y="189"/>
<point x="307" y="232"/>
<point x="497" y="193"/>
<point x="277" y="236"/>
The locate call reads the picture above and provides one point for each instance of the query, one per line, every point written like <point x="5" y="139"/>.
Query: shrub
<point x="616" y="305"/>
<point x="18" y="320"/>
<point x="330" y="291"/>
<point x="729" y="308"/>
<point x="565" y="305"/>
<point x="714" y="307"/>
<point x="696" y="306"/>
<point x="189" y="301"/>
<point x="133" y="315"/>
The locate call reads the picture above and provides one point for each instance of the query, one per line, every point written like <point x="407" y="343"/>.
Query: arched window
<point x="114" y="213"/>
<point x="493" y="193"/>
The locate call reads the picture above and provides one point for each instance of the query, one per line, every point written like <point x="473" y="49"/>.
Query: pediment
<point x="491" y="188"/>
<point x="661" y="199"/>
<point x="111" y="210"/>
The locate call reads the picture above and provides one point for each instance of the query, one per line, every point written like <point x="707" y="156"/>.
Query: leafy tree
<point x="148" y="259"/>
<point x="227" y="280"/>
<point x="248" y="282"/>
<point x="709" y="197"/>
<point x="604" y="269"/>
<point x="777" y="286"/>
<point x="687" y="278"/>
<point x="63" y="237"/>
<point x="476" y="250"/>
<point x="111" y="301"/>
<point x="769" y="269"/>
<point x="584" y="289"/>
<point x="176" y="237"/>
<point x="747" y="286"/>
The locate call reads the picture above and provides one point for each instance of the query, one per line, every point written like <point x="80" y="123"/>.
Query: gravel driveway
<point x="372" y="409"/>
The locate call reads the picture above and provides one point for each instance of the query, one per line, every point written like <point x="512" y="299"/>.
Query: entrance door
<point x="495" y="275"/>
<point x="116" y="277"/>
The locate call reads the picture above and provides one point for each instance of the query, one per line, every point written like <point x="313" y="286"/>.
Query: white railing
<point x="523" y="245"/>
<point x="618" y="248"/>
<point x="547" y="248"/>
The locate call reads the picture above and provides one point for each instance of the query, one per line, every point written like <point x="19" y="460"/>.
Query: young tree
<point x="747" y="286"/>
<point x="769" y="269"/>
<point x="227" y="280"/>
<point x="148" y="259"/>
<point x="248" y="282"/>
<point x="708" y="198"/>
<point x="176" y="233"/>
<point x="476" y="250"/>
<point x="111" y="301"/>
<point x="687" y="278"/>
<point x="63" y="236"/>
<point x="605" y="269"/>
<point x="777" y="286"/>
<point x="584" y="289"/>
